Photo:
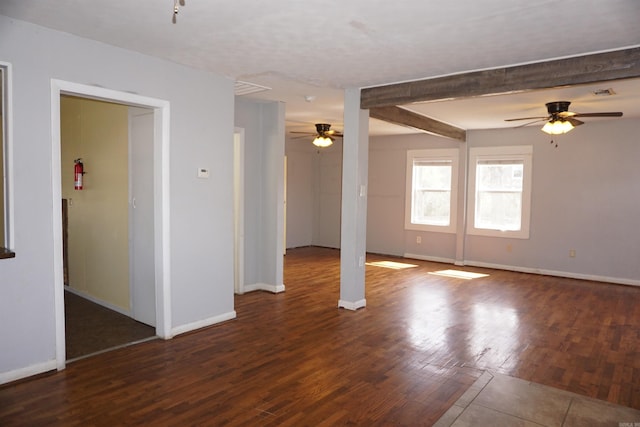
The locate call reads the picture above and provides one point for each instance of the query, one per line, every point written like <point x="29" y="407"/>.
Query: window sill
<point x="6" y="253"/>
<point x="431" y="228"/>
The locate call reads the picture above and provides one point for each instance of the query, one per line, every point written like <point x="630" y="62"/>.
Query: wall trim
<point x="17" y="374"/>
<point x="276" y="289"/>
<point x="430" y="258"/>
<point x="566" y="274"/>
<point x="98" y="301"/>
<point x="353" y="306"/>
<point x="541" y="271"/>
<point x="203" y="323"/>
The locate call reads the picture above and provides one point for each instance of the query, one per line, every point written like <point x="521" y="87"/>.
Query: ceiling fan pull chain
<point x="176" y="9"/>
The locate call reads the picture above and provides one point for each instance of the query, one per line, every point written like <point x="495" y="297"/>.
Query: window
<point x="500" y="191"/>
<point x="432" y="183"/>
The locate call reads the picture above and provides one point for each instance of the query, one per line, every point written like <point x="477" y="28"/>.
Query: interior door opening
<point x="160" y="158"/>
<point x="107" y="236"/>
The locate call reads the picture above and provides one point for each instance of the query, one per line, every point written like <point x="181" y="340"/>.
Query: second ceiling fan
<point x="560" y="119"/>
<point x="324" y="135"/>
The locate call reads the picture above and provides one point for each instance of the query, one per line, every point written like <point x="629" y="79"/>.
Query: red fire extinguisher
<point x="78" y="171"/>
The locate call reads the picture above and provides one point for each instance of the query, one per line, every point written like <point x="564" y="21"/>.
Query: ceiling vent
<point x="245" y="88"/>
<point x="604" y="92"/>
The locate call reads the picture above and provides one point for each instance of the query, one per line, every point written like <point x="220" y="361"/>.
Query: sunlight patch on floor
<point x="391" y="264"/>
<point x="458" y="274"/>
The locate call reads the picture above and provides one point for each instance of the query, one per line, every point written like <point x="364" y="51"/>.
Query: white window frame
<point x="522" y="153"/>
<point x="442" y="154"/>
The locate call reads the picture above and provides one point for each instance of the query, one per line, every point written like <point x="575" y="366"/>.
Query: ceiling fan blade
<point x="526" y="118"/>
<point x="574" y="122"/>
<point x="610" y="114"/>
<point x="306" y="133"/>
<point x="333" y="133"/>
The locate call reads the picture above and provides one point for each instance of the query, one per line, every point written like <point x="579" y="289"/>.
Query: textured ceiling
<point x="316" y="48"/>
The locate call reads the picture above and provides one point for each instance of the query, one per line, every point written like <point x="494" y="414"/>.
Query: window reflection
<point x="430" y="319"/>
<point x="494" y="332"/>
<point x="394" y="265"/>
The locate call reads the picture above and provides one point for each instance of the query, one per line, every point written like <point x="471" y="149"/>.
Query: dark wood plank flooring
<point x="90" y="327"/>
<point x="296" y="359"/>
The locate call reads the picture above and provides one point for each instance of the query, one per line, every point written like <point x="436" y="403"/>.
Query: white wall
<point x="202" y="109"/>
<point x="300" y="192"/>
<point x="385" y="210"/>
<point x="585" y="197"/>
<point x="263" y="124"/>
<point x="314" y="194"/>
<point x="328" y="196"/>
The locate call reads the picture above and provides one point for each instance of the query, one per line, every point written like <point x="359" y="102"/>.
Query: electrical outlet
<point x="418" y="239"/>
<point x="572" y="253"/>
<point x="509" y="247"/>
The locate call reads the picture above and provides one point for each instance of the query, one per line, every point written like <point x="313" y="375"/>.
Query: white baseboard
<point x="430" y="258"/>
<point x="567" y="274"/>
<point x="202" y="323"/>
<point x="352" y="305"/>
<point x="98" y="301"/>
<point x="18" y="374"/>
<point x="276" y="289"/>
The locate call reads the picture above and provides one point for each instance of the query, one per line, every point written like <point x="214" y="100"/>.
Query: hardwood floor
<point x="296" y="359"/>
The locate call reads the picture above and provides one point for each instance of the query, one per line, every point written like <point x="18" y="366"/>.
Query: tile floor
<point x="91" y="328"/>
<point x="498" y="400"/>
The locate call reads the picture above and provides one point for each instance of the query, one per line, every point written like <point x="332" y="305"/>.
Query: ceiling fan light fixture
<point x="322" y="141"/>
<point x="557" y="127"/>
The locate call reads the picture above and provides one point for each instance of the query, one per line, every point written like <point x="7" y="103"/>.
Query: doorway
<point x="107" y="235"/>
<point x="160" y="217"/>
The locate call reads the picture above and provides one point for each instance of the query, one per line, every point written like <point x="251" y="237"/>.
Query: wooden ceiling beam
<point x="621" y="64"/>
<point x="403" y="117"/>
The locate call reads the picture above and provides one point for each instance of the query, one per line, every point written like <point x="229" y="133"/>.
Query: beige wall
<point x="98" y="133"/>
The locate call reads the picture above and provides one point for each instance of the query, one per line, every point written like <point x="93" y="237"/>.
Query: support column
<point x="355" y="168"/>
<point x="273" y="197"/>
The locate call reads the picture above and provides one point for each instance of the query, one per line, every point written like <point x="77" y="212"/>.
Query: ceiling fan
<point x="560" y="119"/>
<point x="324" y="135"/>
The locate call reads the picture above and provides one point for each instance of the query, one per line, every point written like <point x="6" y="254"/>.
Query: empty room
<point x="361" y="213"/>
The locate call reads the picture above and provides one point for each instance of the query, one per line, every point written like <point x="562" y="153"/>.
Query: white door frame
<point x="161" y="155"/>
<point x="238" y="210"/>
<point x="284" y="211"/>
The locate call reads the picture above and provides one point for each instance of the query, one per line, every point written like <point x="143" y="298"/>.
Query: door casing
<point x="161" y="157"/>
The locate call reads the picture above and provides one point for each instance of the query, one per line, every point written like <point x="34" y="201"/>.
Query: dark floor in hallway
<point x="91" y="328"/>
